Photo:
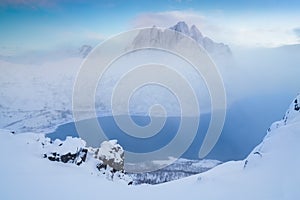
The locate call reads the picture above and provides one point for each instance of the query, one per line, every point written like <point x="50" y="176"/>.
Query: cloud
<point x="165" y="19"/>
<point x="241" y="30"/>
<point x="297" y="32"/>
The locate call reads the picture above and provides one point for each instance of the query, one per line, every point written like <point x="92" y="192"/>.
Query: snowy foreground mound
<point x="269" y="172"/>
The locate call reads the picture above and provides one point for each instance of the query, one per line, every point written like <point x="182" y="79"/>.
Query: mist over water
<point x="260" y="83"/>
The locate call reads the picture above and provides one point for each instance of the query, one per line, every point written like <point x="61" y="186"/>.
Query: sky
<point x="43" y="24"/>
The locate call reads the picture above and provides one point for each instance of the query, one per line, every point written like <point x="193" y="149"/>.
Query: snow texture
<point x="269" y="172"/>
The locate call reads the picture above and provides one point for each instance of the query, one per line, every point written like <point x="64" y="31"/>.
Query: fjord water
<point x="135" y="144"/>
<point x="245" y="126"/>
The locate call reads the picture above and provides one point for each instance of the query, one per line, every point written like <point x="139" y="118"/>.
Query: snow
<point x="106" y="152"/>
<point x="34" y="101"/>
<point x="194" y="163"/>
<point x="71" y="145"/>
<point x="272" y="174"/>
<point x="179" y="169"/>
<point x="290" y="116"/>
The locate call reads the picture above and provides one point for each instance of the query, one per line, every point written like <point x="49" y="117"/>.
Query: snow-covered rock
<point x="72" y="151"/>
<point x="111" y="153"/>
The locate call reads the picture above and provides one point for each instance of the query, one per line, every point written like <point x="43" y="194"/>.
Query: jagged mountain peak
<point x="181" y="27"/>
<point x="213" y="48"/>
<point x="196" y="34"/>
<point x="193" y="31"/>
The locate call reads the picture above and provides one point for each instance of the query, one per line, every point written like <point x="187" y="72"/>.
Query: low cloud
<point x="297" y="32"/>
<point x="165" y="19"/>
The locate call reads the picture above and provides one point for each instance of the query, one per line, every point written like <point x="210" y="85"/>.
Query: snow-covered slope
<point x="269" y="172"/>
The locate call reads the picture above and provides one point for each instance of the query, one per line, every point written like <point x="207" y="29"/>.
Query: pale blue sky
<point x="42" y="24"/>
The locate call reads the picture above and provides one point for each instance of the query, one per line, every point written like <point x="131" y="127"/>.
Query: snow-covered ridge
<point x="292" y="115"/>
<point x="289" y="123"/>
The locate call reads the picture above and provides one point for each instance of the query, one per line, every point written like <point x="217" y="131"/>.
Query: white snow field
<point x="269" y="172"/>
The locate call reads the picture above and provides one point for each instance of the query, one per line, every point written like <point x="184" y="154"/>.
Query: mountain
<point x="213" y="48"/>
<point x="218" y="51"/>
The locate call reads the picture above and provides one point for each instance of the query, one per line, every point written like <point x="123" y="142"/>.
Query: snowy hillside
<point x="269" y="172"/>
